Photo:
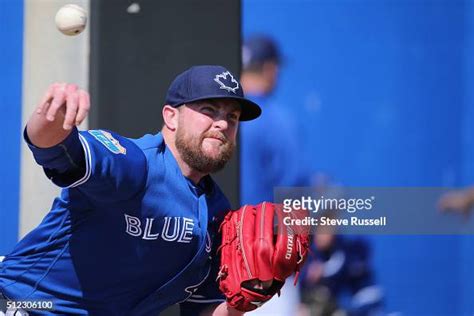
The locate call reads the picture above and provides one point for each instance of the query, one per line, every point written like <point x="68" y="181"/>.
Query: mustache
<point x="217" y="135"/>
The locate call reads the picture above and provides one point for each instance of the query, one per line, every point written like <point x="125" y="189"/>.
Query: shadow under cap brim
<point x="249" y="110"/>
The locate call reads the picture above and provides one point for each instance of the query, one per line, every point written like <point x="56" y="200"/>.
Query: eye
<point x="232" y="117"/>
<point x="208" y="109"/>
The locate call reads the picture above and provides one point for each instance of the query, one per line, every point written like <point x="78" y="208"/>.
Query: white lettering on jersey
<point x="133" y="225"/>
<point x="208" y="243"/>
<point x="147" y="234"/>
<point x="181" y="231"/>
<point x="166" y="229"/>
<point x="187" y="232"/>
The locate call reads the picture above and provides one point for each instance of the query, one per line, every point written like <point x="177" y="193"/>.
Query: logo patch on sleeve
<point x="106" y="139"/>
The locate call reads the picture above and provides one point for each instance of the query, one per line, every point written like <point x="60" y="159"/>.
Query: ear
<point x="170" y="117"/>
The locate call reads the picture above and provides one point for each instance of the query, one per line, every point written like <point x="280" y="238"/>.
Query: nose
<point x="221" y="123"/>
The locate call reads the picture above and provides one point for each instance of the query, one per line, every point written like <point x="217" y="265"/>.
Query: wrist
<point x="225" y="310"/>
<point x="43" y="133"/>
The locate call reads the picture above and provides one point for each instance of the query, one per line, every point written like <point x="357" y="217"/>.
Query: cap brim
<point x="249" y="109"/>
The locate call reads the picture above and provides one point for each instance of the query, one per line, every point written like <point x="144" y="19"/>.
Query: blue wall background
<point x="383" y="94"/>
<point x="11" y="60"/>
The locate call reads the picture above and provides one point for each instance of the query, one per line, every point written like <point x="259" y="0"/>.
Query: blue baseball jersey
<point x="270" y="154"/>
<point x="129" y="234"/>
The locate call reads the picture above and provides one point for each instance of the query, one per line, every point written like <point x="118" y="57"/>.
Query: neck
<point x="194" y="175"/>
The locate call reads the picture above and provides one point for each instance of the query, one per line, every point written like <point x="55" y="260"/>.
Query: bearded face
<point x="207" y="153"/>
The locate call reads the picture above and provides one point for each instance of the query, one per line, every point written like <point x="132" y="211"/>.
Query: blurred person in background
<point x="337" y="278"/>
<point x="270" y="153"/>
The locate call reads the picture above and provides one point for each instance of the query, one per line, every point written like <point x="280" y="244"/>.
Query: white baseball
<point x="71" y="19"/>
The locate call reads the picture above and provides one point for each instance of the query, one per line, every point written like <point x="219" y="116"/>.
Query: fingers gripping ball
<point x="256" y="258"/>
<point x="71" y="19"/>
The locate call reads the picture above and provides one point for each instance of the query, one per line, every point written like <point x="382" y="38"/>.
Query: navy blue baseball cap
<point x="210" y="82"/>
<point x="259" y="49"/>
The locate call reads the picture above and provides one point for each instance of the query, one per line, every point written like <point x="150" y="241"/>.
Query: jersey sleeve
<point x="101" y="164"/>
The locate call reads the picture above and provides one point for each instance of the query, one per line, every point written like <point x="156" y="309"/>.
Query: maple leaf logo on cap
<point x="226" y="83"/>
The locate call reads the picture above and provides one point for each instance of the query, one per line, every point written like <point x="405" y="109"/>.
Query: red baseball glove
<point x="256" y="256"/>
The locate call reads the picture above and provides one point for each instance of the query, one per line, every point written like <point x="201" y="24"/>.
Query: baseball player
<point x="132" y="231"/>
<point x="135" y="227"/>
